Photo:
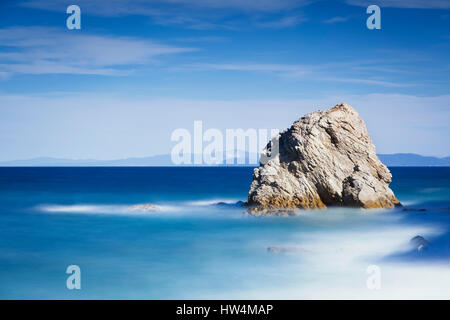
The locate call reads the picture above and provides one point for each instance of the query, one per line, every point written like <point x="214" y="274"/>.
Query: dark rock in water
<point x="274" y="249"/>
<point x="278" y="249"/>
<point x="414" y="210"/>
<point x="145" y="207"/>
<point x="325" y="158"/>
<point x="420" y="243"/>
<point x="274" y="213"/>
<point x="239" y="204"/>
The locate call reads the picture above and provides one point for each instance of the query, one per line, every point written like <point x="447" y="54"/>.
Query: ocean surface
<point x="192" y="248"/>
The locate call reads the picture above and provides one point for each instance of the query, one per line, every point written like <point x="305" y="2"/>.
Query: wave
<point x="103" y="209"/>
<point x="130" y="209"/>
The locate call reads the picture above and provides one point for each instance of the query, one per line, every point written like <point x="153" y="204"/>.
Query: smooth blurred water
<point x="51" y="218"/>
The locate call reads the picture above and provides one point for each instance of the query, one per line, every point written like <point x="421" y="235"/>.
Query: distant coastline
<point x="390" y="160"/>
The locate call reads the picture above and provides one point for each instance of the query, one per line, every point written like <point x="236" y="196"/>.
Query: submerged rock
<point x="238" y="204"/>
<point x="326" y="158"/>
<point x="144" y="207"/>
<point x="273" y="212"/>
<point x="414" y="209"/>
<point x="279" y="249"/>
<point x="419" y="243"/>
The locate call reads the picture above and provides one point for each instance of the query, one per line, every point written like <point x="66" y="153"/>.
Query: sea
<point x="199" y="242"/>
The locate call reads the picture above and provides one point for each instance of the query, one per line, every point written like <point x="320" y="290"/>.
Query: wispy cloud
<point x="368" y="81"/>
<point x="280" y="69"/>
<point x="153" y="7"/>
<point x="195" y="14"/>
<point x="336" y="19"/>
<point x="412" y="4"/>
<point x="284" y="22"/>
<point x="44" y="50"/>
<point x="201" y="39"/>
<point x="345" y="72"/>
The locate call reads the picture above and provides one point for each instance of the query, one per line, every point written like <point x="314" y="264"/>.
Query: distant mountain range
<point x="391" y="160"/>
<point x="159" y="160"/>
<point x="413" y="160"/>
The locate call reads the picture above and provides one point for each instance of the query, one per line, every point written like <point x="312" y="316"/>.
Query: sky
<point x="138" y="70"/>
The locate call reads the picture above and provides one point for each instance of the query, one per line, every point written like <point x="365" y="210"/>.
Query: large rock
<point x="325" y="158"/>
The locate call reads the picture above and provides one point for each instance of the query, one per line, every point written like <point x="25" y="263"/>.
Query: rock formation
<point x="326" y="158"/>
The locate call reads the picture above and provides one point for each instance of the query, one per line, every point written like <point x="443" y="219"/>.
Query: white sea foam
<point x="410" y="202"/>
<point x="335" y="248"/>
<point x="334" y="264"/>
<point x="79" y="208"/>
<point x="123" y="209"/>
<point x="129" y="209"/>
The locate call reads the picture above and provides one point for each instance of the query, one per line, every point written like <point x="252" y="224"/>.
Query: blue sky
<point x="137" y="70"/>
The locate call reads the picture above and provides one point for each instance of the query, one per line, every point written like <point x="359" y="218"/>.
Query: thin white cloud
<point x="216" y="14"/>
<point x="412" y="4"/>
<point x="284" y="69"/>
<point x="44" y="50"/>
<point x="368" y="81"/>
<point x="260" y="5"/>
<point x="201" y="39"/>
<point x="336" y="19"/>
<point x="284" y="22"/>
<point x="324" y="72"/>
<point x="153" y="7"/>
<point x="196" y="14"/>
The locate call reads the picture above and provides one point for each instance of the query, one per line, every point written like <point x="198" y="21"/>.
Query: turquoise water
<point x="51" y="218"/>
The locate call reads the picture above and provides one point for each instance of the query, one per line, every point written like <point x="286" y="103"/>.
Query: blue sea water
<point x="51" y="218"/>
